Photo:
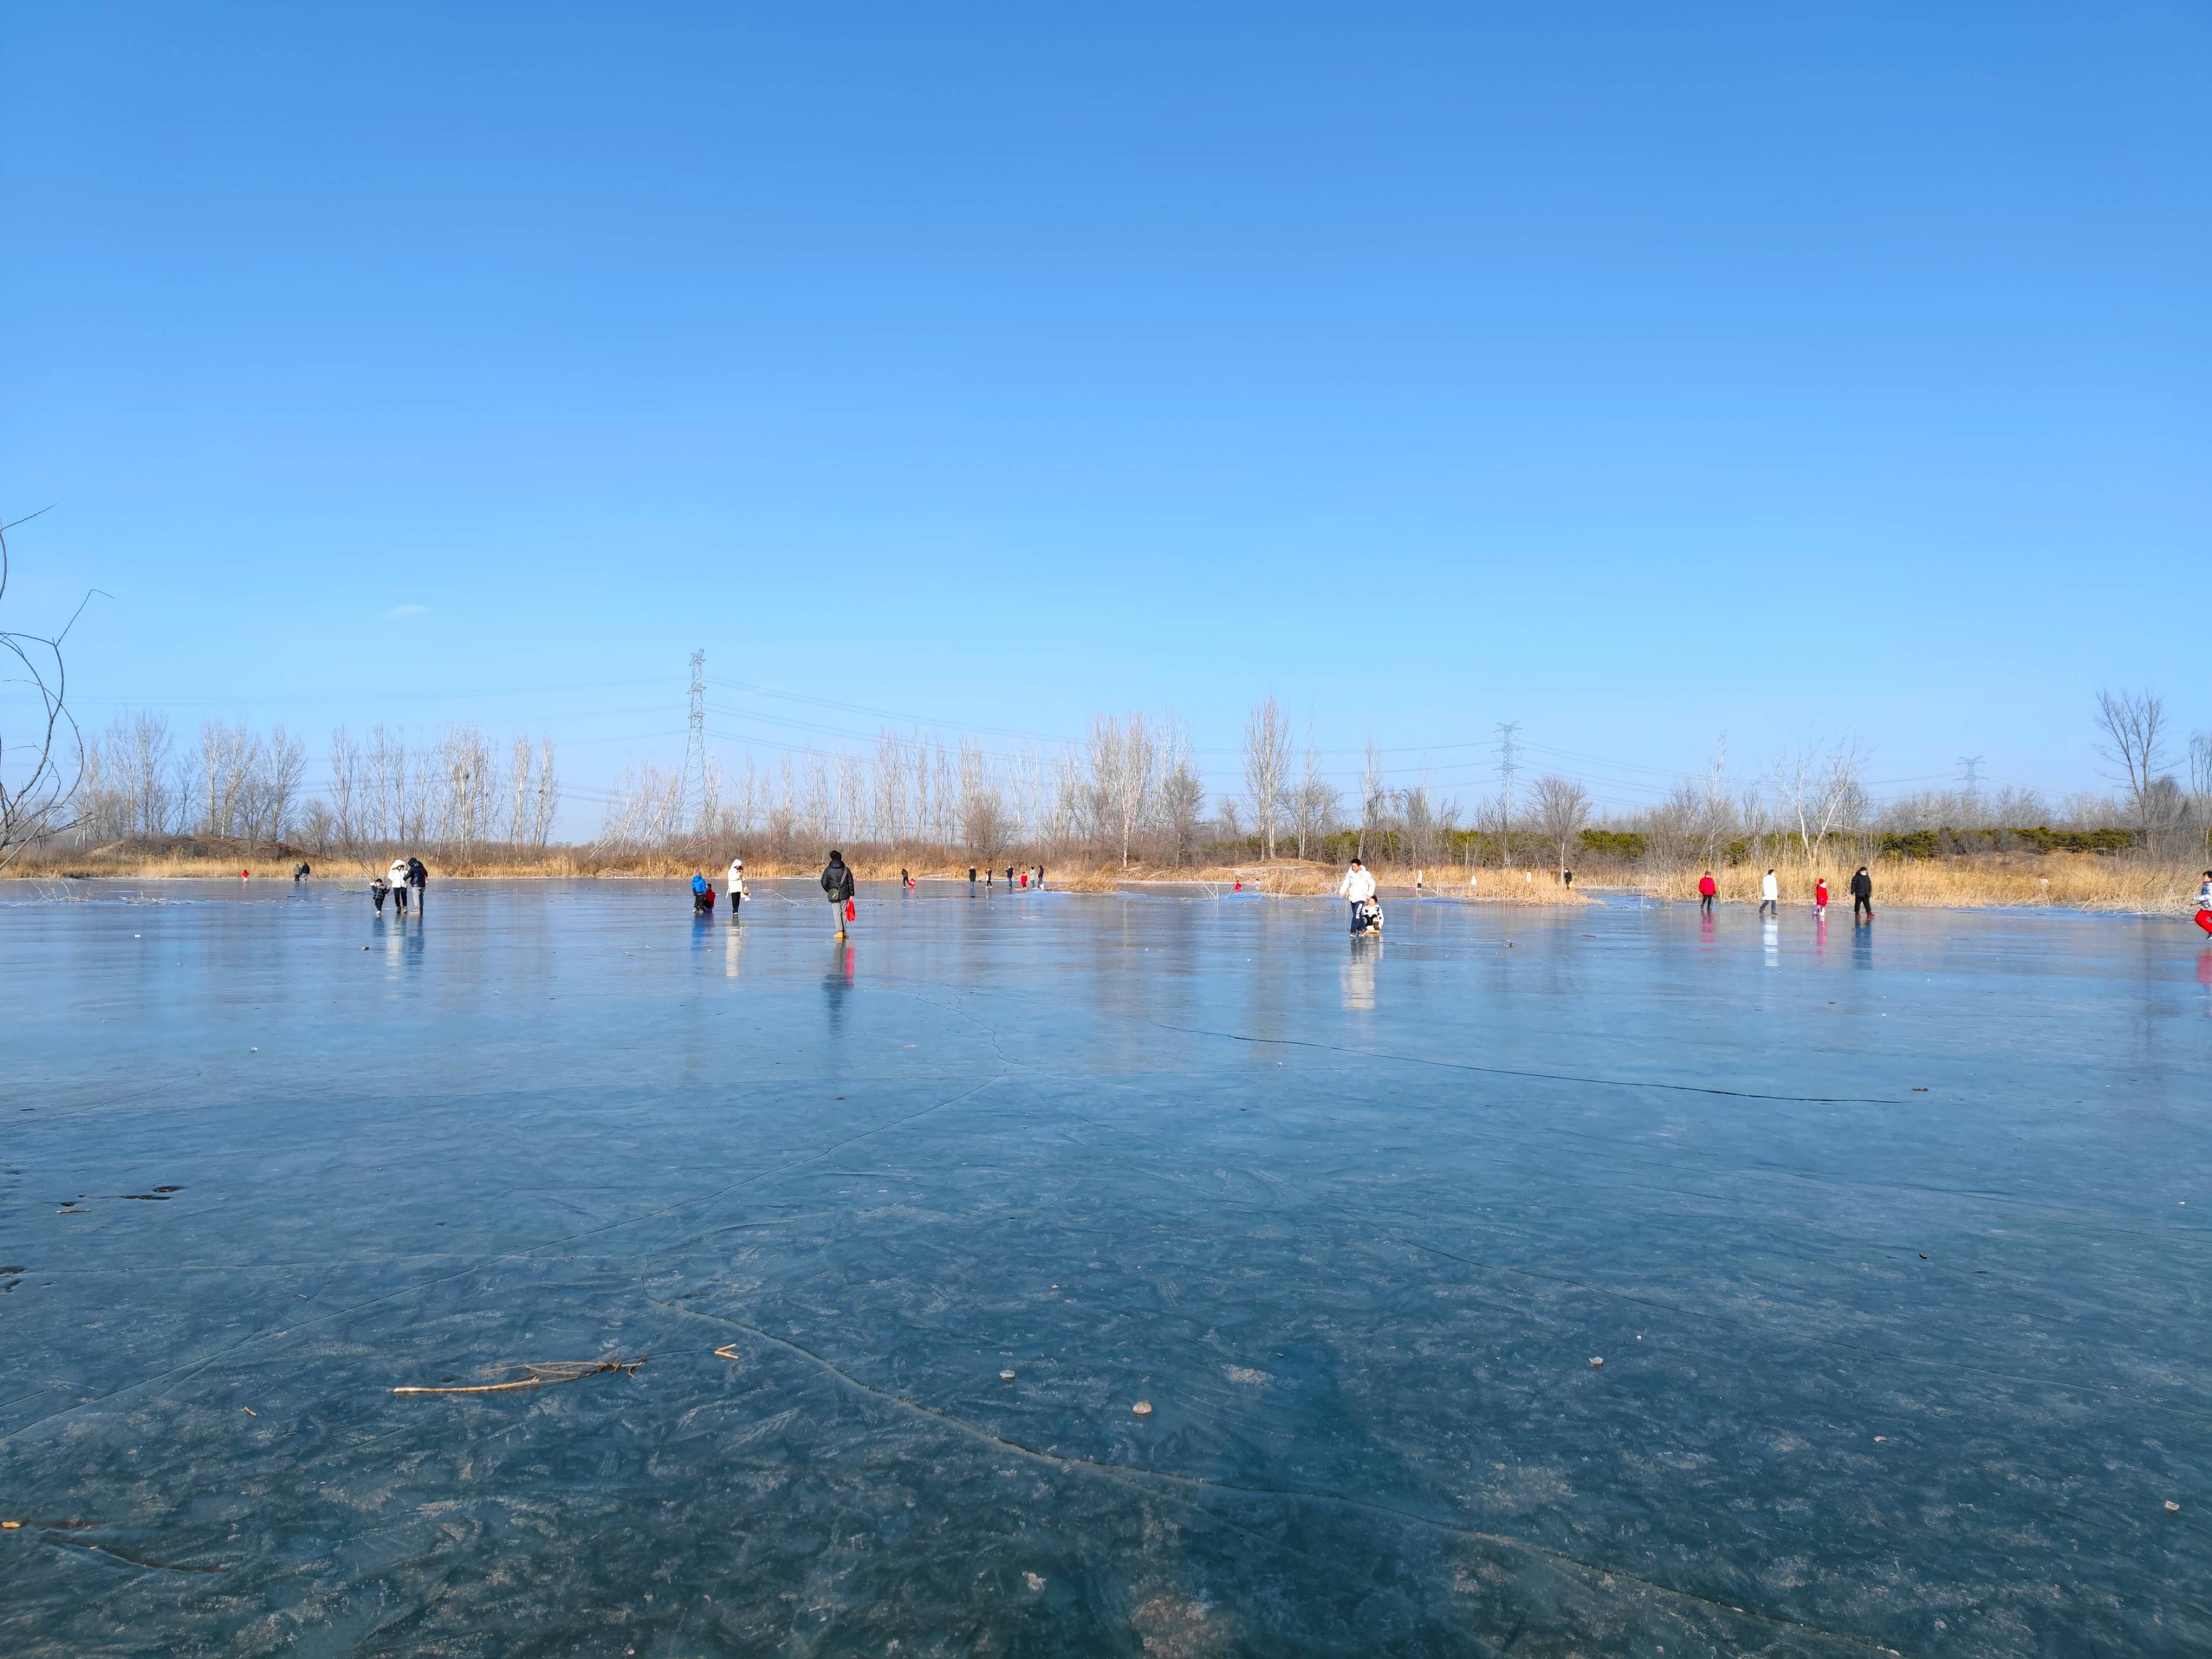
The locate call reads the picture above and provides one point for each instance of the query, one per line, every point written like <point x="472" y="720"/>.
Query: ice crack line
<point x="1548" y="1077"/>
<point x="1135" y="1474"/>
<point x="265" y="1335"/>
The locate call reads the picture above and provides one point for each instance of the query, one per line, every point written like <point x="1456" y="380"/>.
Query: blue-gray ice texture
<point x="1891" y="1242"/>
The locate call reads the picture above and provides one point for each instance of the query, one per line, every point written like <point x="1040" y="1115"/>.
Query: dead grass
<point x="1302" y="878"/>
<point x="211" y="858"/>
<point x="2084" y="881"/>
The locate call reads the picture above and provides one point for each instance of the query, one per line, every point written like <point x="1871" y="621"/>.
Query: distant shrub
<point x="1624" y="844"/>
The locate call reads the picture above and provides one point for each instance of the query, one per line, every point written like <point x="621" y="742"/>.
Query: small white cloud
<point x="399" y="611"/>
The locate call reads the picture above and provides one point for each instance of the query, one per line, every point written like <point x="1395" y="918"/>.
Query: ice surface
<point x="1882" y="1366"/>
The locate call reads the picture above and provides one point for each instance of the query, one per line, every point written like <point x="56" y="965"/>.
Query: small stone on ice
<point x="1005" y="1376"/>
<point x="2173" y="1508"/>
<point x="1596" y="1364"/>
<point x="1880" y="1440"/>
<point x="1142" y="1408"/>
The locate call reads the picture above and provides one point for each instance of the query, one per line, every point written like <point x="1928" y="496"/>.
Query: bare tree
<point x="1562" y="810"/>
<point x="1123" y="772"/>
<point x="1418" y="820"/>
<point x="2200" y="781"/>
<point x="547" y="800"/>
<point x="1266" y="767"/>
<point x="284" y="765"/>
<point x="1819" y="788"/>
<point x="2131" y="727"/>
<point x="1182" y="801"/>
<point x="469" y="794"/>
<point x="49" y="759"/>
<point x="982" y="822"/>
<point x="1313" y="802"/>
<point x="1370" y="793"/>
<point x="345" y="794"/>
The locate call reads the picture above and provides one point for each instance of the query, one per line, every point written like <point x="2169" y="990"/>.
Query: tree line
<point x="137" y="782"/>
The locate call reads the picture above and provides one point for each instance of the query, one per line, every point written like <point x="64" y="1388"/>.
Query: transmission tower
<point x="694" y="751"/>
<point x="1971" y="766"/>
<point x="1506" y="731"/>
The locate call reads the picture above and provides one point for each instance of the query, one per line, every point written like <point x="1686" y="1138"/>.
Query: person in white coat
<point x="1359" y="886"/>
<point x="1770" y="895"/>
<point x="737" y="884"/>
<point x="396" y="875"/>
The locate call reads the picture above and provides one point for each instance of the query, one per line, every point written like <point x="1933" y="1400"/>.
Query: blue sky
<point x="1637" y="374"/>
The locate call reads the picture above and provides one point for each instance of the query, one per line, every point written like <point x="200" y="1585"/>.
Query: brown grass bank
<point x="2082" y="881"/>
<point x="216" y="858"/>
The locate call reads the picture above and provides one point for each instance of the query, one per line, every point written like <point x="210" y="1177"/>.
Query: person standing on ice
<point x="1820" y="897"/>
<point x="1862" y="895"/>
<point x="2205" y="903"/>
<point x="736" y="884"/>
<point x="1359" y="886"/>
<point x="837" y="883"/>
<point x="396" y="875"/>
<point x="1707" y="888"/>
<point x="1770" y="895"/>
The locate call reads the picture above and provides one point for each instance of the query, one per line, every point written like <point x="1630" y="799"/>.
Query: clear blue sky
<point x="1637" y="373"/>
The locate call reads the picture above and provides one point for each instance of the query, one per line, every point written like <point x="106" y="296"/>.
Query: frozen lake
<point x="1881" y="1367"/>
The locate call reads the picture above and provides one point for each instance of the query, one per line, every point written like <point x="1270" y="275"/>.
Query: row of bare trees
<point x="453" y="792"/>
<point x="230" y="782"/>
<point x="1129" y="790"/>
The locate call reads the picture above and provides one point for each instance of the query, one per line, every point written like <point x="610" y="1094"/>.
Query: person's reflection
<point x="1820" y="934"/>
<point x="2204" y="977"/>
<point x="733" y="946"/>
<point x="1862" y="946"/>
<point x="1358" y="973"/>
<point x="1705" y="926"/>
<point x="837" y="985"/>
<point x="1772" y="930"/>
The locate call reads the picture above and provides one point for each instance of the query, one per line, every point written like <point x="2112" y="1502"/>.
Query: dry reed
<point x="2084" y="881"/>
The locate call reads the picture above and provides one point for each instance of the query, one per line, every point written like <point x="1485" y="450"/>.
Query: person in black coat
<point x="1862" y="895"/>
<point x="837" y="883"/>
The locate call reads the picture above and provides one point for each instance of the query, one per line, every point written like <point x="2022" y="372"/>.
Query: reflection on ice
<point x="1875" y="1358"/>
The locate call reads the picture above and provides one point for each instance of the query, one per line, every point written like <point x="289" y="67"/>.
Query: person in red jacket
<point x="1820" y="896"/>
<point x="2205" y="903"/>
<point x="1707" y="887"/>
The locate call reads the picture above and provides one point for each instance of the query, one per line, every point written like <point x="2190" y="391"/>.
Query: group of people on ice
<point x="1770" y="894"/>
<point x="405" y="876"/>
<point x="703" y="891"/>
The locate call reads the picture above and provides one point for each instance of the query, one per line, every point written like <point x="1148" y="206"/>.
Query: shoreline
<point x="2091" y="883"/>
<point x="1543" y="897"/>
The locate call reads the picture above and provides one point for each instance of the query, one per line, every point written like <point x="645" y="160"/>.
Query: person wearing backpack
<point x="837" y="883"/>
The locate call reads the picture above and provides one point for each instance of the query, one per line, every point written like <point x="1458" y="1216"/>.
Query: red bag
<point x="850" y="913"/>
